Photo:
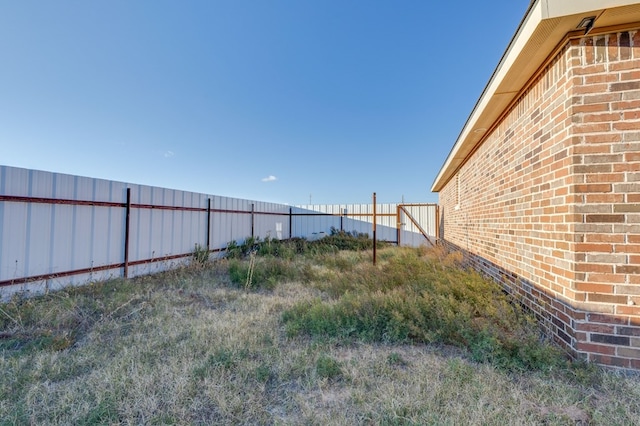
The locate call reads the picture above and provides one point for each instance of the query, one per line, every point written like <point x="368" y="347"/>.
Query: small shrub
<point x="200" y="255"/>
<point x="328" y="368"/>
<point x="238" y="251"/>
<point x="300" y="245"/>
<point x="396" y="359"/>
<point x="222" y="358"/>
<point x="233" y="250"/>
<point x="226" y="358"/>
<point x="343" y="240"/>
<point x="288" y="249"/>
<point x="275" y="248"/>
<point x="105" y="412"/>
<point x="263" y="373"/>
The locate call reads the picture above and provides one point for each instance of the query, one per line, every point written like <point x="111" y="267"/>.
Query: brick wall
<point x="549" y="204"/>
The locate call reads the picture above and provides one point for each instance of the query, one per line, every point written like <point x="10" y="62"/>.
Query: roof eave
<point x="545" y="24"/>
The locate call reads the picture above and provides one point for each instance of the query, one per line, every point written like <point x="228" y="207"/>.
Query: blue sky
<point x="279" y="100"/>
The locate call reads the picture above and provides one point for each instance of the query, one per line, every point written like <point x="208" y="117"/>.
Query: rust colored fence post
<point x="252" y="225"/>
<point x="374" y="229"/>
<point x="208" y="224"/>
<point x="398" y="223"/>
<point x="290" y="222"/>
<point x="126" y="233"/>
<point x="437" y="223"/>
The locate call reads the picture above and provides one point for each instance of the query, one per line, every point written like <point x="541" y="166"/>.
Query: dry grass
<point x="187" y="347"/>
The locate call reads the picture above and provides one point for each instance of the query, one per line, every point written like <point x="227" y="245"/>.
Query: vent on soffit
<point x="586" y="24"/>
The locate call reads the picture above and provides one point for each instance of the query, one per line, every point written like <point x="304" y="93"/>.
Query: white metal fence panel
<point x="272" y="220"/>
<point x="40" y="237"/>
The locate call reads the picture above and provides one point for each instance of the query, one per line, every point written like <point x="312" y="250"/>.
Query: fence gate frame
<point x="402" y="208"/>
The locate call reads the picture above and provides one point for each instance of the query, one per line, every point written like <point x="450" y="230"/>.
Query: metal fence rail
<point x="58" y="230"/>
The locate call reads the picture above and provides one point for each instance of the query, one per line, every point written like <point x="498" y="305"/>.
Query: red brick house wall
<point x="549" y="203"/>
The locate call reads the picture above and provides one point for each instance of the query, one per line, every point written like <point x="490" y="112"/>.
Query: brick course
<point x="549" y="203"/>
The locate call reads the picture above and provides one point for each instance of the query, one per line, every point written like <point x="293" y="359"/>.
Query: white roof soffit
<point x="544" y="26"/>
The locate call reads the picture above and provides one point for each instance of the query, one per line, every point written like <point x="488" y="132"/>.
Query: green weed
<point x="396" y="359"/>
<point x="263" y="373"/>
<point x="328" y="368"/>
<point x="333" y="243"/>
<point x="104" y="412"/>
<point x="238" y="251"/>
<point x="200" y="255"/>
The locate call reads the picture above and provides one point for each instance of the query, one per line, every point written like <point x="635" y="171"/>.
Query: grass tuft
<point x="328" y="368"/>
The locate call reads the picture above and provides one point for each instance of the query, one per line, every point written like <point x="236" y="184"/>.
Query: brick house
<point x="542" y="188"/>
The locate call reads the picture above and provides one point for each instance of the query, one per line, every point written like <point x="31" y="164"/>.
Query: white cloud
<point x="168" y="154"/>
<point x="269" y="178"/>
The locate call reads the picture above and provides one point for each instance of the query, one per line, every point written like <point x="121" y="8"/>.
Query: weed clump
<point x="242" y="250"/>
<point x="336" y="241"/>
<point x="263" y="273"/>
<point x="261" y="264"/>
<point x="328" y="368"/>
<point x="413" y="299"/>
<point x="200" y="255"/>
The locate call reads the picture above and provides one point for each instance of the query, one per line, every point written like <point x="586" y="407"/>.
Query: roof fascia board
<point x="558" y="8"/>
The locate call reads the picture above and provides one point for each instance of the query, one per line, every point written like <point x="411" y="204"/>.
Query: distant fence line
<point x="407" y="223"/>
<point x="58" y="230"/>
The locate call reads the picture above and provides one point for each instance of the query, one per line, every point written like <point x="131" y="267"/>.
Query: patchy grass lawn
<point x="296" y="334"/>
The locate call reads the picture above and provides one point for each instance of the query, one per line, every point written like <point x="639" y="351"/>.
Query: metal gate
<point x="407" y="224"/>
<point x="417" y="224"/>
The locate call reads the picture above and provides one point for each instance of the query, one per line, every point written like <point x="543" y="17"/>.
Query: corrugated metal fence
<point x="58" y="230"/>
